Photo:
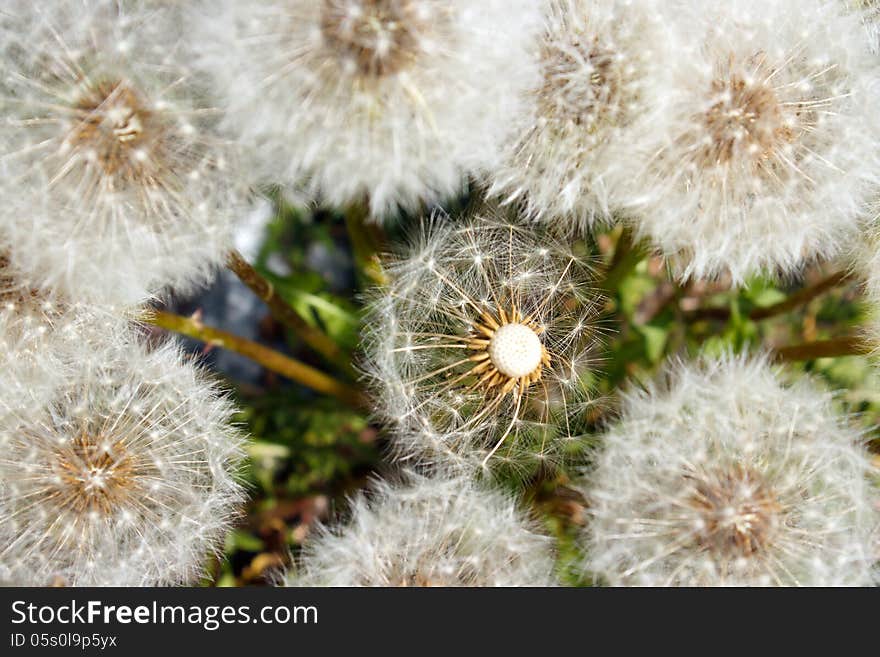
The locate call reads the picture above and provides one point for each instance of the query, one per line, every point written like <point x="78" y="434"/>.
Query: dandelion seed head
<point x="123" y="475"/>
<point x="34" y="325"/>
<point x="112" y="163"/>
<point x="471" y="350"/>
<point x="603" y="86"/>
<point x="770" y="157"/>
<point x="721" y="474"/>
<point x="428" y="532"/>
<point x="868" y="11"/>
<point x="394" y="100"/>
<point x="516" y="350"/>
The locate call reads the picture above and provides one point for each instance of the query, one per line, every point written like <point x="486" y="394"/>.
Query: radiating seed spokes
<point x="113" y="127"/>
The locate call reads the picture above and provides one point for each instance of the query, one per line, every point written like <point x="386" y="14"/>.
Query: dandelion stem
<point x="846" y="346"/>
<point x="284" y="313"/>
<point x="627" y="255"/>
<point x="792" y="302"/>
<point x="803" y="296"/>
<point x="268" y="358"/>
<point x="366" y="240"/>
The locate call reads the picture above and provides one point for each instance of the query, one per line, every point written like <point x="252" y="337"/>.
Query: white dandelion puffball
<point x="479" y="346"/>
<point x="869" y="12"/>
<point x="774" y="151"/>
<point x="722" y="475"/>
<point x="431" y="532"/>
<point x="125" y="477"/>
<point x="599" y="100"/>
<point x="114" y="187"/>
<point x="34" y="326"/>
<point x="395" y="100"/>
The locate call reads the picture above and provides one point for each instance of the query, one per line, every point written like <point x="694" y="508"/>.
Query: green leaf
<point x="655" y="341"/>
<point x="766" y="297"/>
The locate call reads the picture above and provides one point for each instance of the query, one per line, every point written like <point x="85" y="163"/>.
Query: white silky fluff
<point x="415" y="327"/>
<point x="318" y="117"/>
<point x="124" y="474"/>
<point x="765" y="209"/>
<point x="588" y="118"/>
<point x="428" y="532"/>
<point x="114" y="186"/>
<point x="676" y="436"/>
<point x="869" y="12"/>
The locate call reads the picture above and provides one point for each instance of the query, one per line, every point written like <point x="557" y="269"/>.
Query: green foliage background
<point x="309" y="452"/>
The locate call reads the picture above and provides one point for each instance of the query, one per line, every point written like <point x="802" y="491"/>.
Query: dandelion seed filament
<point x="380" y="37"/>
<point x="114" y="127"/>
<point x="739" y="512"/>
<point x="96" y="474"/>
<point x="747" y="124"/>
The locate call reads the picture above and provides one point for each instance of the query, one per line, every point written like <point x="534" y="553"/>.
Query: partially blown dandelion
<point x="480" y="346"/>
<point x="723" y="476"/>
<point x="586" y="121"/>
<point x="124" y="477"/>
<point x="443" y="532"/>
<point x="397" y="100"/>
<point x="113" y="186"/>
<point x="774" y="149"/>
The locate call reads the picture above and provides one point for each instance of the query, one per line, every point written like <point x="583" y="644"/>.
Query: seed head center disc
<point x="515" y="350"/>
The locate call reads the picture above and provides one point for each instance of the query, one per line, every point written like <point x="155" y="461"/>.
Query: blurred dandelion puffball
<point x="774" y="149"/>
<point x="431" y="532"/>
<point x="478" y="347"/>
<point x="721" y="475"/>
<point x="588" y="117"/>
<point x="395" y="100"/>
<point x="125" y="477"/>
<point x="114" y="187"/>
<point x="869" y="12"/>
<point x="29" y="322"/>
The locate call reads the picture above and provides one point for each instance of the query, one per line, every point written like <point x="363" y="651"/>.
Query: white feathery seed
<point x="124" y="475"/>
<point x="587" y="119"/>
<point x="774" y="151"/>
<point x="430" y="532"/>
<point x="394" y="100"/>
<point x="869" y="12"/>
<point x="479" y="347"/>
<point x="722" y="475"/>
<point x="34" y="326"/>
<point x="114" y="186"/>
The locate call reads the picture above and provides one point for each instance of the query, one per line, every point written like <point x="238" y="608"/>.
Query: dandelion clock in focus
<point x="774" y="149"/>
<point x="114" y="186"/>
<point x="723" y="475"/>
<point x="125" y="476"/>
<point x="397" y="101"/>
<point x="429" y="532"/>
<point x="480" y="348"/>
